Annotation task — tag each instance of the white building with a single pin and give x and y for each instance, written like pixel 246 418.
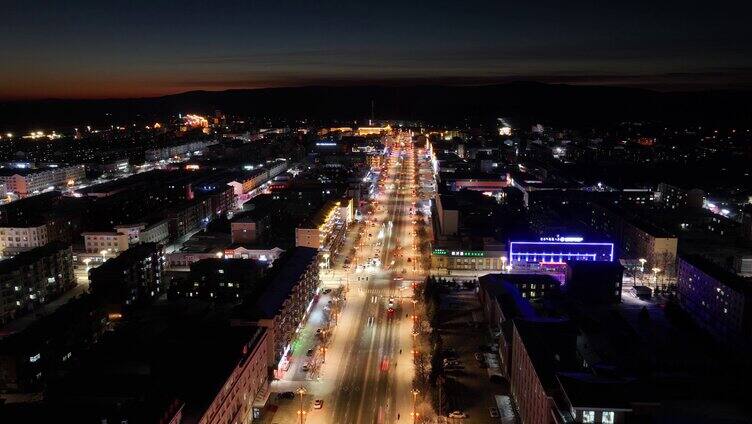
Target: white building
pixel 112 242
pixel 20 239
pixel 27 182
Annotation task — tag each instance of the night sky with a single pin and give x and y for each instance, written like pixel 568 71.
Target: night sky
pixel 94 49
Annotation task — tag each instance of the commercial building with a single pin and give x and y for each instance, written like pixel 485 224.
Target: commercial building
pixel 492 258
pixel 265 255
pixel 719 301
pixel 133 277
pixel 284 303
pixel 327 230
pixel 26 182
pixel 33 278
pixel 558 250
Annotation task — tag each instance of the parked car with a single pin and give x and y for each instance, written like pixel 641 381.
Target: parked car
pixel 457 414
pixel 286 395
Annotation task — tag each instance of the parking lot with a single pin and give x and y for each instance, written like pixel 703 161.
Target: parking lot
pixel 466 342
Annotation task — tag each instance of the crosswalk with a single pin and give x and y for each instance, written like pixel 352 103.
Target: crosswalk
pixel 385 293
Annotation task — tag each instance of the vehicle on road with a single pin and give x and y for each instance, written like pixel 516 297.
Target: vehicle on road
pixel 286 395
pixel 318 404
pixel 305 366
pixel 457 414
pixel 493 412
pixel 309 352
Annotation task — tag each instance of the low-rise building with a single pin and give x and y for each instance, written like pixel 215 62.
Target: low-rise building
pixel 110 242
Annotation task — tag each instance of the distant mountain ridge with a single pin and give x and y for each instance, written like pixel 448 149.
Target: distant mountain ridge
pixel 554 103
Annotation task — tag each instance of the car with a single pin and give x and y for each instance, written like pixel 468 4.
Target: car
pixel 305 367
pixel 327 291
pixel 318 331
pixel 457 414
pixel 309 352
pixel 493 412
pixel 479 356
pixel 318 404
pixel 286 395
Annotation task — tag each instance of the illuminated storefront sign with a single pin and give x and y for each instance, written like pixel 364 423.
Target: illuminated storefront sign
pixel 568 249
pixel 463 253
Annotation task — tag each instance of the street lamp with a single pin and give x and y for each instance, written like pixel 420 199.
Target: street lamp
pixel 642 264
pixel 323 354
pixel 104 255
pixel 86 262
pixel 301 391
pixel 655 275
pixel 415 414
pixel 503 262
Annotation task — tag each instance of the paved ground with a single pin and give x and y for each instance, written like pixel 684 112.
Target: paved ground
pixel 462 328
pixel 368 372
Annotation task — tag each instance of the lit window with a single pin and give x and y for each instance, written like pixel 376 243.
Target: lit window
pixel 588 416
pixel 607 417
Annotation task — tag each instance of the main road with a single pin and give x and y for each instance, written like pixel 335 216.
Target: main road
pixel 369 364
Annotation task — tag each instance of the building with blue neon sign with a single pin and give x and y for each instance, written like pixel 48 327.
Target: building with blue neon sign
pixel 558 252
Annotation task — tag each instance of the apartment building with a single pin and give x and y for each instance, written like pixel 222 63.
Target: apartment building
pixel 33 278
pixel 14 240
pixel 27 182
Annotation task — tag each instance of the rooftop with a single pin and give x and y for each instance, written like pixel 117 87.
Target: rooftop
pixel 279 288
pixel 31 256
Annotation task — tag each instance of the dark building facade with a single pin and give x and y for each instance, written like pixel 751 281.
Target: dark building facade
pixel 33 278
pixel 133 277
